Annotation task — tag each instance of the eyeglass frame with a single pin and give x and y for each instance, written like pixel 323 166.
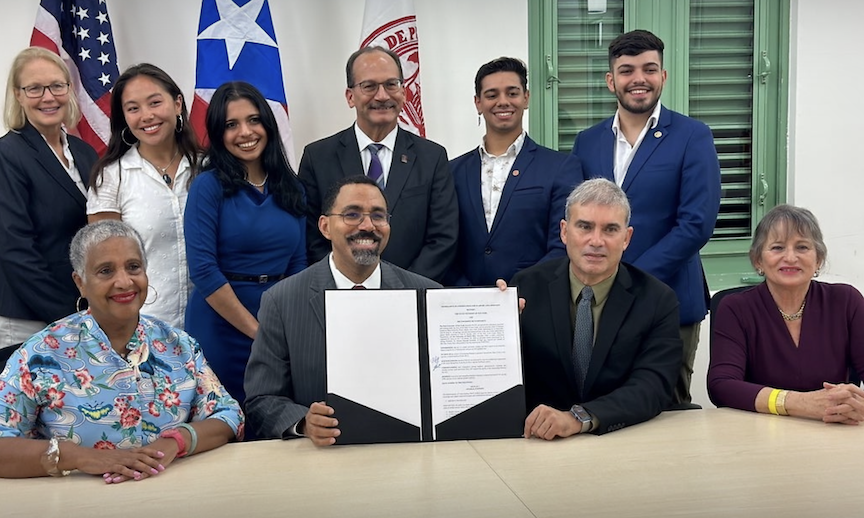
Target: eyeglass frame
pixel 373 86
pixel 44 87
pixel 363 216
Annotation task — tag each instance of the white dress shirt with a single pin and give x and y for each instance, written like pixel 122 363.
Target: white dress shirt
pixel 623 150
pixel 373 282
pixel 385 155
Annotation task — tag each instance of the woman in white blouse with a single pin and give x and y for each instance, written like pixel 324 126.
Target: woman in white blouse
pixel 143 180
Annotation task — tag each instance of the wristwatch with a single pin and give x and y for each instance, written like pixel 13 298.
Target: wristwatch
pixel 583 417
pixel 51 458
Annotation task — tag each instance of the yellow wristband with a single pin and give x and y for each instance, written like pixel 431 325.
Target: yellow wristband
pixel 772 401
pixel 781 402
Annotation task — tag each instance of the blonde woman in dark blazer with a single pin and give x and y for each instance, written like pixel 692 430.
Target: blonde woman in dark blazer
pixel 43 177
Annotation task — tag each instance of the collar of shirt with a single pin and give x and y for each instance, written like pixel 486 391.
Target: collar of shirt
pixel 652 120
pixel 72 170
pixel 512 151
pixel 623 150
pixel 132 159
pixel 373 282
pixel 601 289
pixel 385 155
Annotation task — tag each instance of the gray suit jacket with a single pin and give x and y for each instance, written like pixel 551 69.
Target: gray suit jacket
pixel 286 370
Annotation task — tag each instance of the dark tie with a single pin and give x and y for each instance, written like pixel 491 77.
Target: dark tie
pixel 358 287
pixel 583 337
pixel 376 170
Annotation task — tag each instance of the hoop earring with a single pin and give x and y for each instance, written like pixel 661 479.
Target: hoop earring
pixel 179 127
pixel 123 137
pixel 78 304
pixel 155 297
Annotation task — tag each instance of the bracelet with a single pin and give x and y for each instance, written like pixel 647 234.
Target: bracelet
pixel 175 434
pixel 51 459
pixel 193 433
pixel 781 402
pixel 772 401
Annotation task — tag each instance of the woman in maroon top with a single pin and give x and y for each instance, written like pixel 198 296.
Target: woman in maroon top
pixel 786 346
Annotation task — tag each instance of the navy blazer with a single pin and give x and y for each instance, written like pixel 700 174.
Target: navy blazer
pixel 420 197
pixel 673 184
pixel 41 209
pixel 636 356
pixel 526 228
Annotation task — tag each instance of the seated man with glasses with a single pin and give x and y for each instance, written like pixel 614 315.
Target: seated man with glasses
pixel 412 171
pixel 285 376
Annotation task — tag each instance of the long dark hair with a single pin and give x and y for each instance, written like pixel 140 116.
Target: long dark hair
pixel 186 141
pixel 231 172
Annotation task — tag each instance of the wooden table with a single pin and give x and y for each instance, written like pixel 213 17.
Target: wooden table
pixel 710 463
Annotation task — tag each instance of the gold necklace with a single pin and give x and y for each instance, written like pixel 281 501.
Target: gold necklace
pixel 794 316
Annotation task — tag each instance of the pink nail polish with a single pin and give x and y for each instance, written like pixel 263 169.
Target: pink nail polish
pixel 154 471
pixel 161 467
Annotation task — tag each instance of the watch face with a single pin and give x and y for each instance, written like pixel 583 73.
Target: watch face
pixel 580 414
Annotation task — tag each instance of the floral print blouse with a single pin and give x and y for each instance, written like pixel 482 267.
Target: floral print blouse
pixel 66 381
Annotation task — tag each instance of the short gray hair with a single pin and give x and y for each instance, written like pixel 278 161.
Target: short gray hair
pixel 794 220
pixel 97 233
pixel 598 191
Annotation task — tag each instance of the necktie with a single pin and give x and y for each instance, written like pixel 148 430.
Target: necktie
pixel 376 170
pixel 358 287
pixel 583 336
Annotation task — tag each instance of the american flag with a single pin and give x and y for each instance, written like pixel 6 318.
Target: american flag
pixel 238 43
pixel 80 32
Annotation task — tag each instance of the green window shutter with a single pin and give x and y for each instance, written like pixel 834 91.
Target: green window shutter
pixel 721 96
pixel 583 43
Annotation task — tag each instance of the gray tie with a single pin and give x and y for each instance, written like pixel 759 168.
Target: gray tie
pixel 583 336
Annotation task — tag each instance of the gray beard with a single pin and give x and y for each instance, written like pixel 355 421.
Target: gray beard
pixel 365 257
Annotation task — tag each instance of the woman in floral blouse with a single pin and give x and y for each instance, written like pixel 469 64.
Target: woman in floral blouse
pixel 107 391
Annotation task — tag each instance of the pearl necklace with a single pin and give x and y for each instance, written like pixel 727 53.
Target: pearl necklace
pixel 258 185
pixel 794 316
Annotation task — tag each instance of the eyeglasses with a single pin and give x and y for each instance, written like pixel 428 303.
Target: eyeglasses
pixel 370 87
pixel 379 219
pixel 37 91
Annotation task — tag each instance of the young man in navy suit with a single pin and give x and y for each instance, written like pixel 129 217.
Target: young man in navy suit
pixel 667 165
pixel 511 191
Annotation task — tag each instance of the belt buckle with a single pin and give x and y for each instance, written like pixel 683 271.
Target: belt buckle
pixel 262 279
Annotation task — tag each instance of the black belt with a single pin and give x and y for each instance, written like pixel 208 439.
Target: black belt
pixel 260 279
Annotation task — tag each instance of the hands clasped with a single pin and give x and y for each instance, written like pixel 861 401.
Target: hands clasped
pixel 117 466
pixel 842 403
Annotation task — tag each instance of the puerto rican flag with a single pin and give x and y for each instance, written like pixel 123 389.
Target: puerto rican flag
pixel 237 42
pixel 79 31
pixel 392 24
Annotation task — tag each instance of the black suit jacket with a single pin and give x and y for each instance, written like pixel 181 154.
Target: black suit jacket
pixel 420 196
pixel 637 350
pixel 41 209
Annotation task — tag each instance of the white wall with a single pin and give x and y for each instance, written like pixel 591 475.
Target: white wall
pixel 315 38
pixel 457 36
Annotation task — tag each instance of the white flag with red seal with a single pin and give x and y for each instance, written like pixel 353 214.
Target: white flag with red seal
pixel 392 24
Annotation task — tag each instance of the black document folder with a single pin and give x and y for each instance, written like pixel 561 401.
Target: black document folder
pixel 385 386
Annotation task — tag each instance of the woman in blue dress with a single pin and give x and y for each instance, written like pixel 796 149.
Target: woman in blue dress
pixel 244 225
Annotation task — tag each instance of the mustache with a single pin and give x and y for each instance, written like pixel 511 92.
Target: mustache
pixel 385 105
pixel 364 234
